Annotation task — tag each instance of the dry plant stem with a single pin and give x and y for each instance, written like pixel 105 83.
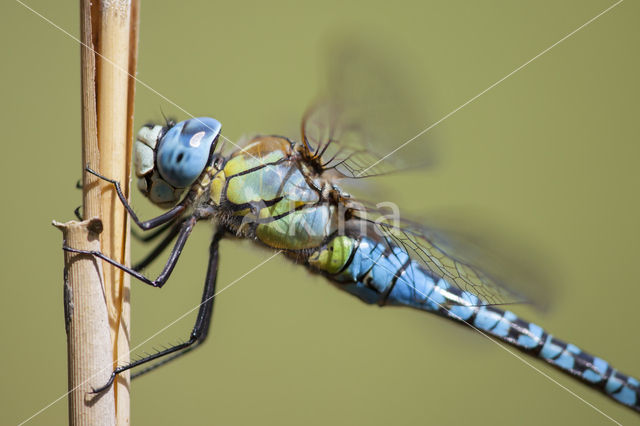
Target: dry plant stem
pixel 122 348
pixel 90 152
pixel 110 27
pixel 113 108
pixel 86 322
pixel 89 345
pixel 98 320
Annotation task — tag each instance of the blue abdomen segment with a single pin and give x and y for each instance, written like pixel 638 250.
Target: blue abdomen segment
pixel 379 274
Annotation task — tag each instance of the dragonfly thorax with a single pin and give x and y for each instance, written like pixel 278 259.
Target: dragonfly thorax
pixel 170 159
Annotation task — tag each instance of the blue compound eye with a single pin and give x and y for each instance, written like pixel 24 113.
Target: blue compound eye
pixel 184 150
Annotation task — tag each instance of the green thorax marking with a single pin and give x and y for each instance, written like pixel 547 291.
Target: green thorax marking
pixel 270 191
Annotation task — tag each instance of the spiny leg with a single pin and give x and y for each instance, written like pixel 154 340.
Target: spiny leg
pixel 153 255
pixel 148 224
pixel 185 230
pixel 200 328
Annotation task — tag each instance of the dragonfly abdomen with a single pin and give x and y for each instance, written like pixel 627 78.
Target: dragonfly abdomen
pixel 270 196
pixel 379 273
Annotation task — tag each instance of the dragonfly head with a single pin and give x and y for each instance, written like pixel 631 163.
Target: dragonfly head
pixel 169 159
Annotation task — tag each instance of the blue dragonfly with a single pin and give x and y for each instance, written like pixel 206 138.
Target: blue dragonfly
pixel 288 196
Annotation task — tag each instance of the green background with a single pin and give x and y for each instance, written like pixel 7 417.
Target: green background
pixel 549 156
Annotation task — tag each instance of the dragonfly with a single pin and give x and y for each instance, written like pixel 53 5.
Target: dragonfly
pixel 287 195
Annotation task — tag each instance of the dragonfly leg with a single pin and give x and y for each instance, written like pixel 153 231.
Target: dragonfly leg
pixel 142 238
pixel 153 255
pixel 148 224
pixel 155 234
pixel 185 230
pixel 200 328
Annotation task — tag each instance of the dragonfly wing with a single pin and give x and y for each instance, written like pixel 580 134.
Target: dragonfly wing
pixel 497 278
pixel 366 109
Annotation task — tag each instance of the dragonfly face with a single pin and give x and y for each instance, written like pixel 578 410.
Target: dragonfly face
pixel 169 159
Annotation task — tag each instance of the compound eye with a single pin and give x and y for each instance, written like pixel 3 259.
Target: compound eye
pixel 184 150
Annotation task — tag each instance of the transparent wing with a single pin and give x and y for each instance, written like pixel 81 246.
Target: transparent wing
pixel 465 262
pixel 366 110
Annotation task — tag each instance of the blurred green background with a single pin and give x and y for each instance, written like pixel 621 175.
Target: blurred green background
pixel 549 155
